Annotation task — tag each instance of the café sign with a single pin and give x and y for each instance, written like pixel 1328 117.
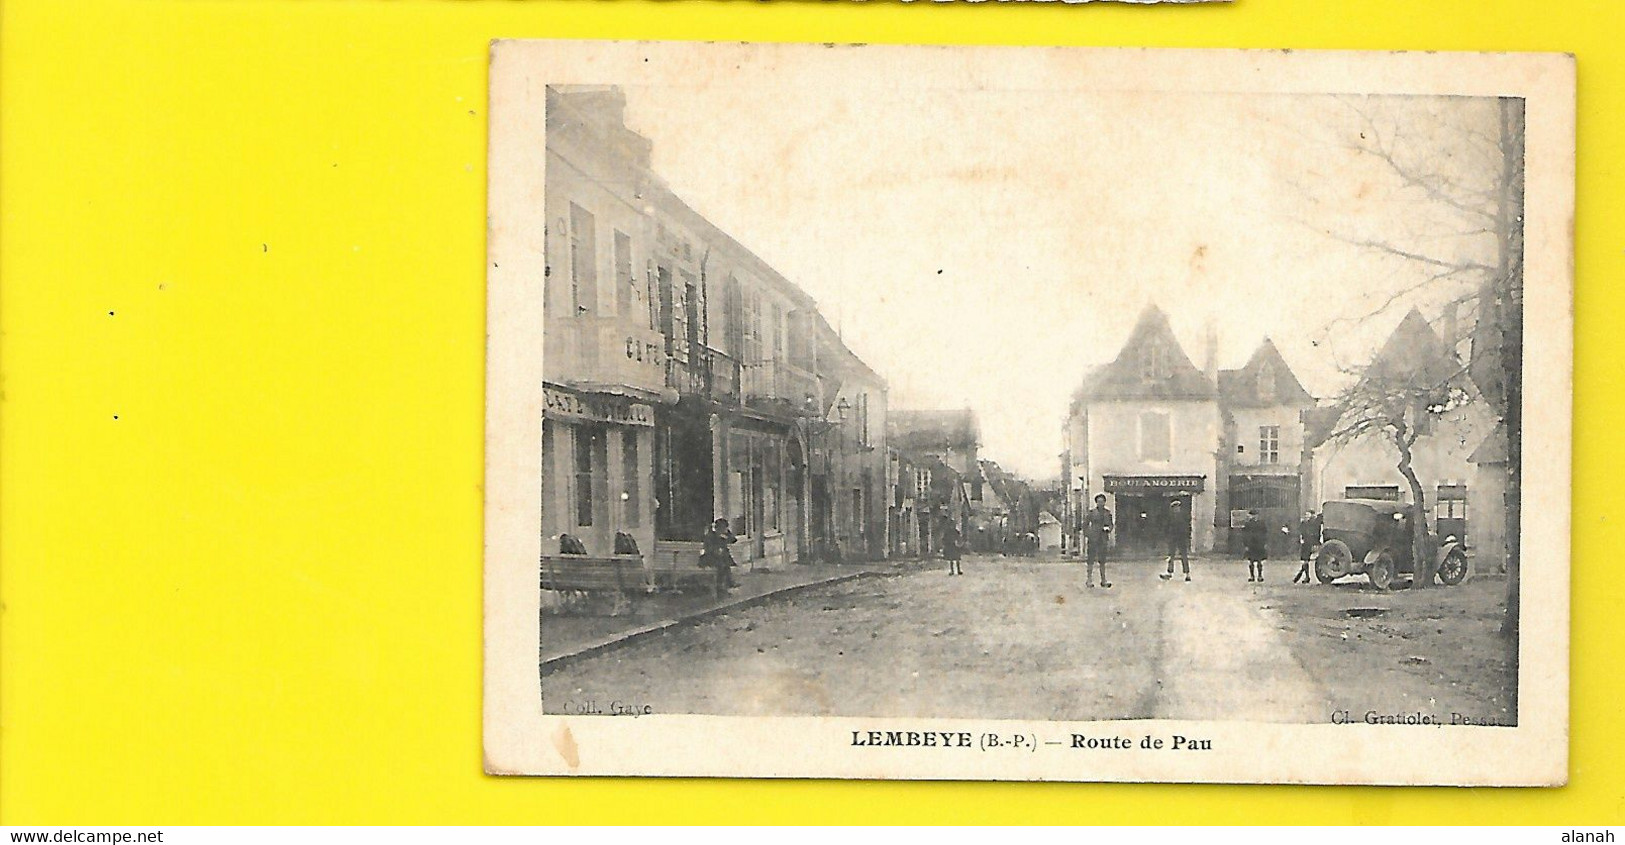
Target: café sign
pixel 1154 484
pixel 564 405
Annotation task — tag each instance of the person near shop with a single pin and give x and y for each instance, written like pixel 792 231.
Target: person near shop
pixel 1255 540
pixel 950 546
pixel 1179 539
pixel 1308 542
pixel 1097 531
pixel 716 555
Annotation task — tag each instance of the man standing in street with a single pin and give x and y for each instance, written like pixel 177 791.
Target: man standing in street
pixel 1097 530
pixel 1308 543
pixel 1179 539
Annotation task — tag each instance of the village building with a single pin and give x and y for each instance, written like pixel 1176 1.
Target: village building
pixel 685 379
pixel 1263 455
pixel 1366 466
pixel 933 454
pixel 1151 428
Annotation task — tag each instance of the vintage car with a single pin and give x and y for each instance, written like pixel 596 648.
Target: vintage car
pixel 1373 536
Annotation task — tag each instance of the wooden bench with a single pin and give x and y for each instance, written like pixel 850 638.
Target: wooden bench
pixel 588 574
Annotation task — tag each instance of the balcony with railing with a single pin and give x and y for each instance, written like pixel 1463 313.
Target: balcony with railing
pixel 780 386
pixel 605 353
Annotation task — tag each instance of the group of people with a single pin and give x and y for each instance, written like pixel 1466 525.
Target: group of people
pixel 1097 531
pixel 1098 526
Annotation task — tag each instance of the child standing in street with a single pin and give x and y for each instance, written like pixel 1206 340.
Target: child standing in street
pixel 950 547
pixel 1256 539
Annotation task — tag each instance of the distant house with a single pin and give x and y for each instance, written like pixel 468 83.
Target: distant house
pixel 935 470
pixel 1366 466
pixel 1261 459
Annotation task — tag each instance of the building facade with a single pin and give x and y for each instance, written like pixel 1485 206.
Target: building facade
pixel 1262 460
pixel 686 379
pixel 934 453
pixel 1145 430
pixel 1366 466
pixel 1151 428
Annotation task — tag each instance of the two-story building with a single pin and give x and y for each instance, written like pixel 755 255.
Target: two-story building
pixel 1262 457
pixel 1145 430
pixel 686 379
pixel 604 358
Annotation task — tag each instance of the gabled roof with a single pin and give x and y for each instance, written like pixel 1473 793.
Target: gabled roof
pixel 1125 378
pixel 932 430
pixel 1266 381
pixel 1494 448
pixel 1414 355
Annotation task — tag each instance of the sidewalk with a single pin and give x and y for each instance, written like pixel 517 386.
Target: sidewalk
pixel 567 637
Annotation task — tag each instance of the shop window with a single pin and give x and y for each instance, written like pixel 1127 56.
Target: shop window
pixel 550 516
pixel 1156 436
pixel 590 459
pixel 631 485
pixel 1269 444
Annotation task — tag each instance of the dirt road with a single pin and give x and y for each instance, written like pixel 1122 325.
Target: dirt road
pixel 1011 639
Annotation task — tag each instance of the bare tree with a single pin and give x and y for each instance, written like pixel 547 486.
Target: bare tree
pixel 1401 398
pixel 1470 175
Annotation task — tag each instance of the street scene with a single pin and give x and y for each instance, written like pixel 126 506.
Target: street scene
pixel 1025 639
pixel 1037 429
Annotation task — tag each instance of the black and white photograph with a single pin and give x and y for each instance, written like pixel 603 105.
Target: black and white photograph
pixel 1053 414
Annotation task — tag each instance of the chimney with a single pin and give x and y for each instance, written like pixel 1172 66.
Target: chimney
pixel 1210 351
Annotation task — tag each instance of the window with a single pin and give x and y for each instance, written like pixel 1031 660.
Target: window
pixel 590 460
pixel 733 307
pixel 1451 502
pixel 626 284
pixel 1269 444
pixel 1154 361
pixel 550 516
pixel 583 261
pixel 631 486
pixel 1266 386
pixel 1386 492
pixel 976 491
pixel 858 511
pixel 922 483
pixel 1156 436
pixel 863 420
pixel 752 313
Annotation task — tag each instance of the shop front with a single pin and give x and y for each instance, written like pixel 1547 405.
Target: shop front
pixel 1143 507
pixel 596 466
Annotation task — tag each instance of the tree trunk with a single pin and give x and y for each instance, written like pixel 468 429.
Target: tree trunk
pixel 1510 314
pixel 1424 564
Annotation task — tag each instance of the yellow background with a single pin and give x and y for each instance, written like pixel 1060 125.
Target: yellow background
pixel 241 332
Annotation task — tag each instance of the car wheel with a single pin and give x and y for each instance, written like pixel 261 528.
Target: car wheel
pixel 1382 571
pixel 1333 561
pixel 1453 569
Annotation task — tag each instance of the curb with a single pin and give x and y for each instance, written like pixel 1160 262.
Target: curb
pixel 549 664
